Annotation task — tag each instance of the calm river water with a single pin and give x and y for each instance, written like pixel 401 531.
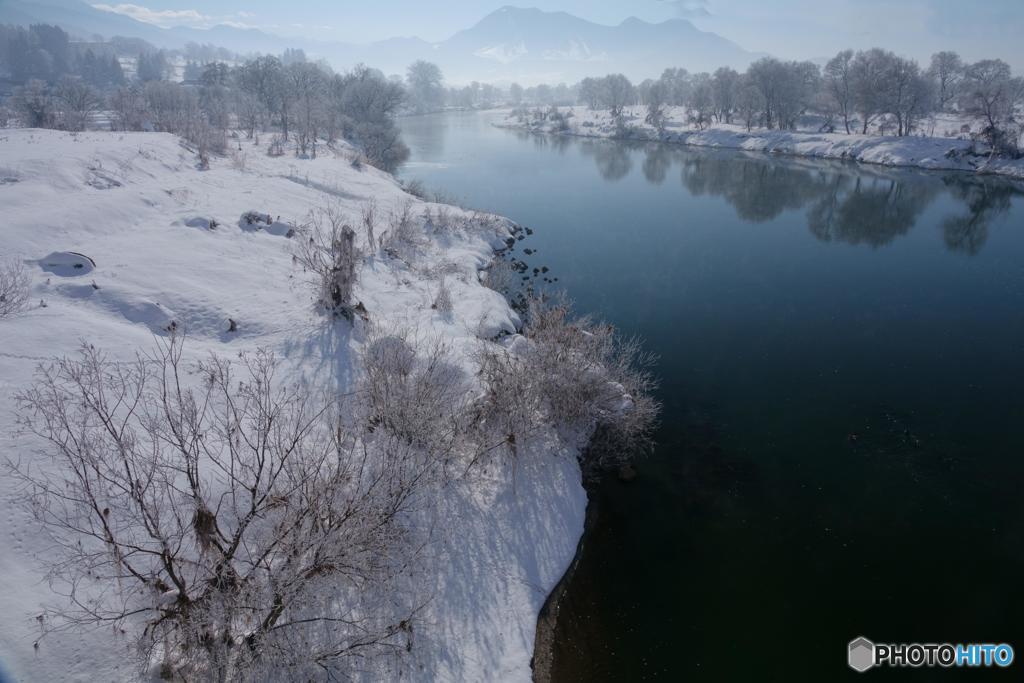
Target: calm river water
pixel 842 369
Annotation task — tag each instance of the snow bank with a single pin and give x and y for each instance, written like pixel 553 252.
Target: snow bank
pixel 935 153
pixel 124 238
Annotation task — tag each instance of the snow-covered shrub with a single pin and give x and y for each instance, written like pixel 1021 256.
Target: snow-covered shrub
pixel 576 373
pixel 501 277
pixel 369 217
pixel 14 287
pixel 443 300
pixel 414 392
pixel 326 247
pixel 416 188
pixel 403 234
pixel 231 524
pixel 441 219
pixel 276 147
pixel 559 121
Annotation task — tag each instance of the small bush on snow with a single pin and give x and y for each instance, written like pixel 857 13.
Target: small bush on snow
pixel 403 234
pixel 326 247
pixel 414 392
pixel 14 286
pixel 572 372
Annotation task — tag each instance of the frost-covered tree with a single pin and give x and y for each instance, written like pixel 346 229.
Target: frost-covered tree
pixel 77 101
pixel 908 94
pixel 589 90
pixel 426 86
pixel 152 66
pixel 616 93
pixel 701 102
pixel 786 89
pixel 947 71
pixel 869 73
pixel 34 105
pixel 678 82
pixel 306 87
pixel 838 84
pixel 657 97
pixel 515 94
pixel 749 103
pixel 129 106
pixel 723 92
pixel 230 522
pixel 990 92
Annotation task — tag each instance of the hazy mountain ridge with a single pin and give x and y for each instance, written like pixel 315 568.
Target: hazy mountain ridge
pixel 510 44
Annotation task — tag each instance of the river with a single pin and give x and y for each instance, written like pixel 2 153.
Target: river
pixel 842 370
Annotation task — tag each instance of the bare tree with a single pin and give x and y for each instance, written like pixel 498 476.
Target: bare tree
pixel 34 105
pixel 989 91
pixel 947 70
pixel 426 89
pixel 839 85
pixel 616 93
pixel 723 91
pixel 129 106
pixel 908 95
pixel 868 83
pixel 701 102
pixel 749 103
pixel 232 523
pixel 14 287
pixel 656 99
pixel 78 100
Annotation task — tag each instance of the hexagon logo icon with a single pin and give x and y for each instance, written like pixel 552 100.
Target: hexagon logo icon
pixel 861 654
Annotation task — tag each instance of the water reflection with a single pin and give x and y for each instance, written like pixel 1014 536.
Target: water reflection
pixel 614 161
pixel 985 201
pixel 872 211
pixel 855 205
pixel 657 162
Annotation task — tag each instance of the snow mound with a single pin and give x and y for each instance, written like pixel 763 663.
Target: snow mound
pixel 67 264
pixel 158 318
pixel 201 223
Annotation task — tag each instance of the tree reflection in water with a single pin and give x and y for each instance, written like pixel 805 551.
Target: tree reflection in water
pixel 843 202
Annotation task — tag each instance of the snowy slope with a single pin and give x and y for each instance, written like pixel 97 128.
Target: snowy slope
pixel 114 229
pixel 936 153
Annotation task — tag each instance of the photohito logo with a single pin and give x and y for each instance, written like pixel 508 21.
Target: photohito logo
pixel 862 654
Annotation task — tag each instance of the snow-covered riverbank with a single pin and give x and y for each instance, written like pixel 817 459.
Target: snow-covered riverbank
pixel 123 236
pixel 934 153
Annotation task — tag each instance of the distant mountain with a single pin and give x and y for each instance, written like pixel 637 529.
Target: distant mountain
pixel 530 45
pixel 511 44
pixel 82 20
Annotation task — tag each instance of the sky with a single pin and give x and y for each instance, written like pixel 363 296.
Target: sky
pixel 791 29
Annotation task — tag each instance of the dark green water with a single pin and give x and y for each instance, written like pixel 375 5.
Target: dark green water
pixel 842 361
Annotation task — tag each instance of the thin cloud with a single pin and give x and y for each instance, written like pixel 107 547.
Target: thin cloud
pixel 169 18
pixel 688 9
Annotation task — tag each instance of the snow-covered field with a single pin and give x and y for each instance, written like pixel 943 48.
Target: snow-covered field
pixel 937 153
pixel 115 231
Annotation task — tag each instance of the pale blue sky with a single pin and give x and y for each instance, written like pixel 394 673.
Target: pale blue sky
pixel 786 28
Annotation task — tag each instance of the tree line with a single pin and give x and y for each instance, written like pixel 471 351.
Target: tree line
pixel 864 91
